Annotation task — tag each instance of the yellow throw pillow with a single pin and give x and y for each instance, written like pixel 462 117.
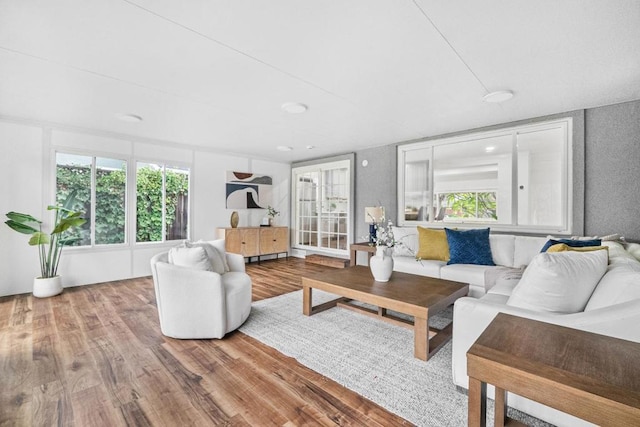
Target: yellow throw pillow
pixel 561 247
pixel 432 244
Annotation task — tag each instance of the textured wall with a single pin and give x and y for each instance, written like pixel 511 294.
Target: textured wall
pixel 612 158
pixel 376 185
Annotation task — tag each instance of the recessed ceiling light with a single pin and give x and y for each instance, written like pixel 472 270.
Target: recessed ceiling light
pixel 489 149
pixel 127 117
pixel 498 96
pixel 284 148
pixel 294 107
pixel 310 147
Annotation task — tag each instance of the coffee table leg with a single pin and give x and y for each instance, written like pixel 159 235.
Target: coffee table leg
pixel 477 403
pixel 306 300
pixel 421 338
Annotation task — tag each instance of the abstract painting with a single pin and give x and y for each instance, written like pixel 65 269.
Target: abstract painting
pixel 248 190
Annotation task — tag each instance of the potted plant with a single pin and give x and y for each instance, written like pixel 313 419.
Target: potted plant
pixel 50 245
pixel 272 213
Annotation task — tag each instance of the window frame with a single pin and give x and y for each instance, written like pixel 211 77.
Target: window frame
pixel 134 196
pixel 94 156
pixel 130 195
pixel 566 186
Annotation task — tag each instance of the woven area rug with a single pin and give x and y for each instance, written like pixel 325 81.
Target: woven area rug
pixel 373 358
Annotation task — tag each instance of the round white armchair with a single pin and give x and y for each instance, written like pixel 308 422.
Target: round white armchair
pixel 194 301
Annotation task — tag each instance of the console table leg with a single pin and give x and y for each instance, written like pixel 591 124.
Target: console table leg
pixel 500 407
pixel 477 403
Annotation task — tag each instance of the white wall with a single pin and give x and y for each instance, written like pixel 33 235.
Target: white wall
pixel 27 185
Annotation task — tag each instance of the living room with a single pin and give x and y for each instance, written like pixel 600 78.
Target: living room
pixel 202 88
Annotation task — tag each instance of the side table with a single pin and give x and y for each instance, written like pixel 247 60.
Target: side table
pixel 362 247
pixel 593 377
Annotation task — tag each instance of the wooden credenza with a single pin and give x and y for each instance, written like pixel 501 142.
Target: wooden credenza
pixel 256 241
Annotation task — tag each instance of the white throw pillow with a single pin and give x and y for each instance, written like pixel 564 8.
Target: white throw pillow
pixel 560 282
pixel 621 283
pixel 216 259
pixel 195 258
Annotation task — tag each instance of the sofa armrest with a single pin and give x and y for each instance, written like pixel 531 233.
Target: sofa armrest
pixel 236 262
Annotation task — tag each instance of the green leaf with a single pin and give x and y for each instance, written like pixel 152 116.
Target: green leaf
pixel 20 227
pixel 67 223
pixel 39 238
pixel 23 218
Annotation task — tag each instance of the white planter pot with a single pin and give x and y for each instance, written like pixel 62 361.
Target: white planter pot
pixel 381 264
pixel 47 287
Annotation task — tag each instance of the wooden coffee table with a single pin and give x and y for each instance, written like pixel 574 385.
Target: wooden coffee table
pixel 417 296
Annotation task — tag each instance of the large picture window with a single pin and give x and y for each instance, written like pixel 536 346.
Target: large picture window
pixel 99 186
pixel 162 202
pixel 513 179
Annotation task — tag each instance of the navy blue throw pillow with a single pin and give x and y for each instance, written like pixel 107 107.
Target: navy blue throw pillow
pixel 572 243
pixel 469 247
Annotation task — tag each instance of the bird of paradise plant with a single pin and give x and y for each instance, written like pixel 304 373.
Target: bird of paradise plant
pixel 50 245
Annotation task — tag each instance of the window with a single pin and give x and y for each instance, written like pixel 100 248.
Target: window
pixel 322 205
pixel 512 179
pixel 99 185
pixel 162 202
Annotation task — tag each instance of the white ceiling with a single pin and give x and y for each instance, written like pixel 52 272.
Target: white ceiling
pixel 373 72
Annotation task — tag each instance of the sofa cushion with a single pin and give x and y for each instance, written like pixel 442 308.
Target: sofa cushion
pixel 432 244
pixel 407 241
pixel 502 248
pixel 571 242
pixel 621 283
pixel 469 246
pixel 504 287
pixel 497 275
pixel 195 258
pixel 429 268
pixel 559 282
pixel 525 248
pixel 465 273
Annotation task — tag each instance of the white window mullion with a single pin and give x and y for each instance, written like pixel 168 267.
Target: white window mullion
pixel 164 203
pixel 92 226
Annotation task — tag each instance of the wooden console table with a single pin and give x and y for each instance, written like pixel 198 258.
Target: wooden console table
pixel 362 247
pixel 256 241
pixel 590 376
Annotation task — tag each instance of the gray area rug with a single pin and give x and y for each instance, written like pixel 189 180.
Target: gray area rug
pixel 373 358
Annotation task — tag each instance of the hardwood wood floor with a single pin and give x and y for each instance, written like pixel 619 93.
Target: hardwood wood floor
pixel 94 356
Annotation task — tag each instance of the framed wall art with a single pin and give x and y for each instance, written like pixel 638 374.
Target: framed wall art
pixel 245 190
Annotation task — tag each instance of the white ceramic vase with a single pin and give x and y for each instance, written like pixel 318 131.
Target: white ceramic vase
pixel 47 287
pixel 381 264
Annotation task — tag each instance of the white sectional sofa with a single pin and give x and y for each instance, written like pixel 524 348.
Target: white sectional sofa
pixel 508 251
pixel 613 310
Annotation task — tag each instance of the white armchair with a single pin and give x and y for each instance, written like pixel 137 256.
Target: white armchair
pixel 195 304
